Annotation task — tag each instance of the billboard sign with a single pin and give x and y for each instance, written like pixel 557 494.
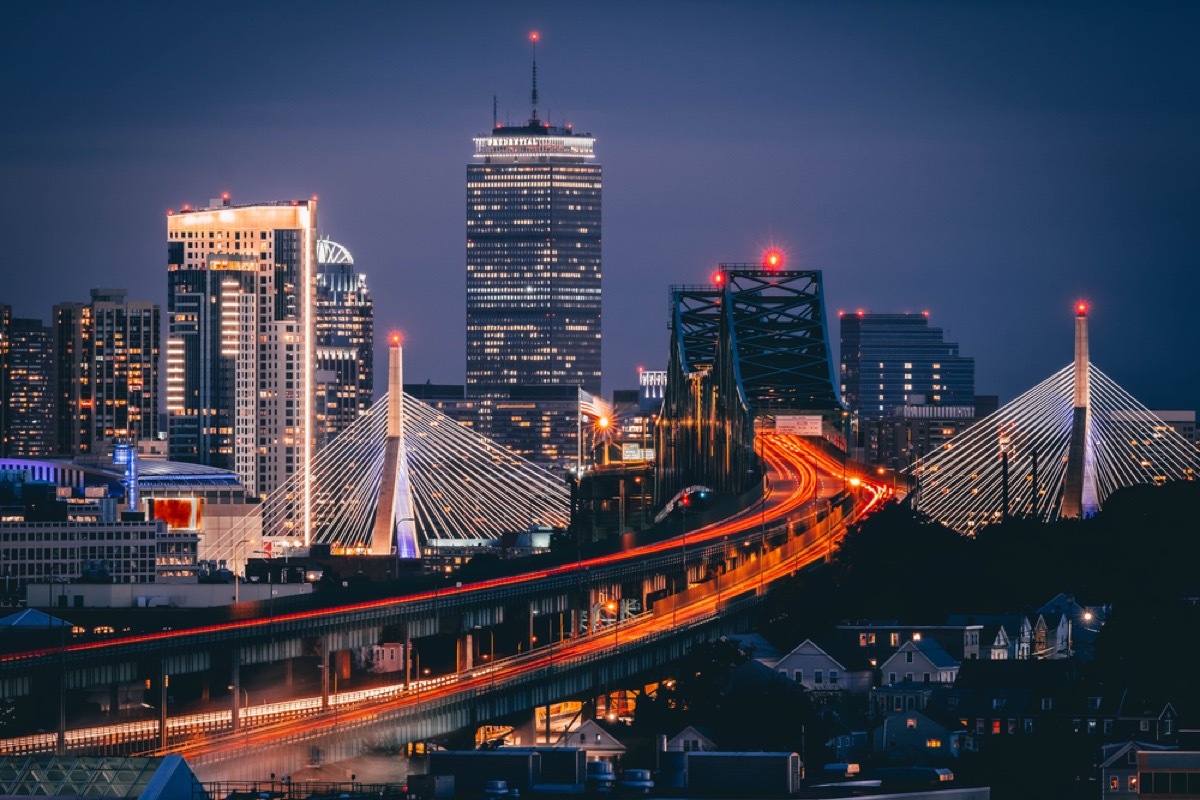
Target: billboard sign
pixel 799 425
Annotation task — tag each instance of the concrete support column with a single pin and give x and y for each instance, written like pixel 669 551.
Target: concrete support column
pixel 235 683
pixel 163 683
pixel 324 673
pixel 408 661
pixel 465 656
pixel 114 699
pixel 288 677
pixel 526 729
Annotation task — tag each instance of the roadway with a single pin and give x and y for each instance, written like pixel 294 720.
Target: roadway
pixel 802 480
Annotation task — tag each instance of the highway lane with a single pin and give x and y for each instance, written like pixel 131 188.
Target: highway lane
pixel 794 483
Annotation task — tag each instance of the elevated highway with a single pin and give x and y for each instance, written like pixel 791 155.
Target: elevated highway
pixel 692 587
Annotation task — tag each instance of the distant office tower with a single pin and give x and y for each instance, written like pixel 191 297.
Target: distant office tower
pixel 106 379
pixel 892 360
pixel 29 400
pixel 344 326
pixel 239 376
pixel 533 259
pixel 5 336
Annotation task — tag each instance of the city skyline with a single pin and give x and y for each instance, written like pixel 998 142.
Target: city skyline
pixel 990 165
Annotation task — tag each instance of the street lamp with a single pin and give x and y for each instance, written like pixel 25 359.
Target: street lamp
pixel 246 693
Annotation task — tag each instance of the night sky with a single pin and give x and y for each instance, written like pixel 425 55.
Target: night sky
pixel 987 163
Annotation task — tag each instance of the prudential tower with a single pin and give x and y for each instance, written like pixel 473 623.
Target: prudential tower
pixel 533 258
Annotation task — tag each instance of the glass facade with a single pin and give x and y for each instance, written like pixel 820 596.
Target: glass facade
pixel 893 360
pixel 533 261
pixel 344 327
pixel 106 371
pixel 29 402
pixel 239 371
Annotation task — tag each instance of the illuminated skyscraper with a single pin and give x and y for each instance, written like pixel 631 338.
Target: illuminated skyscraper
pixel 29 399
pixel 106 378
pixel 533 259
pixel 239 374
pixel 344 324
pixel 893 360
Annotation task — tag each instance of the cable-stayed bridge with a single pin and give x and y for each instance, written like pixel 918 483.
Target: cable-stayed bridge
pixel 1057 451
pixel 401 472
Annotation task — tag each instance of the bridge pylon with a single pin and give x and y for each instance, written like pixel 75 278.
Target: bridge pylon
pixel 395 525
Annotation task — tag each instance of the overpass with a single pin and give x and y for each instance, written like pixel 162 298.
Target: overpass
pixel 692 586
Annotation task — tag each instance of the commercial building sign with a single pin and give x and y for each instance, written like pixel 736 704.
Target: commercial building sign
pixel 799 425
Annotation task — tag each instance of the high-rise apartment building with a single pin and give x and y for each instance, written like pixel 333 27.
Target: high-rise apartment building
pixel 5 336
pixel 106 380
pixel 29 395
pixel 533 259
pixel 344 327
pixel 239 374
pixel 892 360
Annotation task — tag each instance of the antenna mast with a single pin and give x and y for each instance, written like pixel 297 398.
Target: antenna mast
pixel 494 125
pixel 533 38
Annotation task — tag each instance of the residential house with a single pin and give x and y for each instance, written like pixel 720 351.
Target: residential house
pixel 595 741
pixel 911 736
pixel 1175 773
pixel 1119 768
pixel 1002 636
pixel 816 670
pixel 879 640
pixel 690 740
pixel 920 661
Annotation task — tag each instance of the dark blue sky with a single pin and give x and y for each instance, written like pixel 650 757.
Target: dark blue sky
pixel 988 163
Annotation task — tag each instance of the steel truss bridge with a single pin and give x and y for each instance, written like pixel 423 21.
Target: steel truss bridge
pixel 752 346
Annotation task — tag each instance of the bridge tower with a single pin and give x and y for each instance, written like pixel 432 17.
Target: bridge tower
pixel 395 525
pixel 1079 485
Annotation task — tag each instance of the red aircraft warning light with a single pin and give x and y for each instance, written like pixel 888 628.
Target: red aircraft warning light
pixel 395 340
pixel 773 259
pixel 718 277
pixel 1081 309
pixel 533 36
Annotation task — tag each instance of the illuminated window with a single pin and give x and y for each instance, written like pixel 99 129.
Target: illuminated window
pixel 933 743
pixel 911 723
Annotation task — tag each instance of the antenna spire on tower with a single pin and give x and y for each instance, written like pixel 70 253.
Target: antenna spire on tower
pixel 533 39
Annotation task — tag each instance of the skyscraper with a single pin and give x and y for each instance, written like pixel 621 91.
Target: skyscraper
pixel 533 258
pixel 892 360
pixel 344 326
pixel 106 378
pixel 239 373
pixel 29 402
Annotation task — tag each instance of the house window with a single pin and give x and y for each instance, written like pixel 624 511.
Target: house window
pixel 1012 727
pixel 1166 727
pixel 1048 705
pixel 1029 726
pixel 1144 725
pixel 933 743
pixel 1093 703
pixel 926 677
pixel 908 677
pixel 1133 783
pixel 979 725
pixel 995 726
pixel 894 639
pixel 898 703
pixel 799 676
pixel 862 640
pixel 1108 727
pixel 908 657
pixel 818 677
pixel 911 723
pixel 892 679
pixel 1114 783
pixel 833 677
pixel 997 703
